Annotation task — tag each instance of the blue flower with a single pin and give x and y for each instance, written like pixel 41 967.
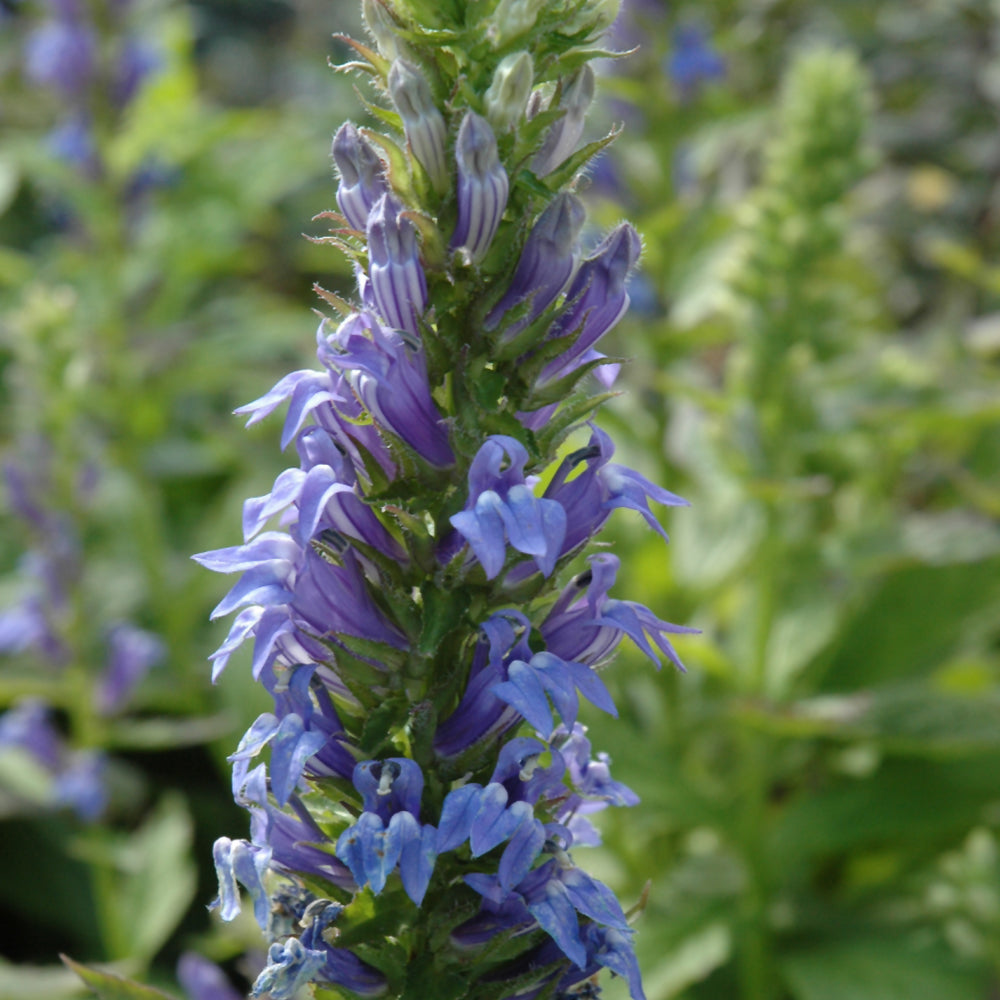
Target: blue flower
pixel 502 507
pixel 545 266
pixel 530 685
pixel 133 652
pixel 61 54
pixel 238 862
pixel 693 61
pixel 372 849
pixel 596 299
pixel 291 746
pixel 203 980
pixel 290 965
pixel 388 375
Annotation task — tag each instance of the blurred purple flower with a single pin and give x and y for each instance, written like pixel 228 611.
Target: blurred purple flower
pixel 61 54
pixel 132 653
pixel 692 61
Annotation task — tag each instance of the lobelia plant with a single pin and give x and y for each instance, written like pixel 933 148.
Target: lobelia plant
pixel 432 604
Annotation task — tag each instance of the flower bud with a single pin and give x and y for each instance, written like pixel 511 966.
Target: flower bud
pixel 578 92
pixel 382 28
pixel 511 19
pixel 482 187
pixel 594 17
pixel 597 298
pixel 397 278
pixel 422 121
pixel 546 262
pixel 361 180
pixel 509 91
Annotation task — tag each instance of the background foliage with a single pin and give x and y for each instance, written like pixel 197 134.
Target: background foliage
pixel 817 335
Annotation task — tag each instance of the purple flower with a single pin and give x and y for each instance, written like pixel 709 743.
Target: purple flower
pixel 361 181
pixel 693 61
pixel 28 725
pixel 482 187
pixel 529 686
pixel 389 376
pixel 60 54
pixel 132 653
pixel 589 628
pixel 79 777
pixel 203 980
pixel 481 714
pixel 136 62
pixel 502 507
pixel 589 497
pixel 372 849
pixel 552 896
pixel 596 299
pixel 545 266
pixel 72 141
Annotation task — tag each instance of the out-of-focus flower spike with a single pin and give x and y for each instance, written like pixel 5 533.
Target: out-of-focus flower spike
pixel 61 54
pixel 422 121
pixel 361 180
pixel 203 980
pixel 562 139
pixel 545 265
pixel 482 187
pixel 397 277
pixel 507 97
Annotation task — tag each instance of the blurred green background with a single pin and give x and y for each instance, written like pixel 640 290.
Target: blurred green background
pixel 816 340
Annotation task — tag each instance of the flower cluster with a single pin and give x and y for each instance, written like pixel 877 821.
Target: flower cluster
pixel 421 592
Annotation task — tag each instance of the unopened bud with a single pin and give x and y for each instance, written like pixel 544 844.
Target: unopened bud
pixel 383 29
pixel 509 90
pixel 597 298
pixel 482 187
pixel 422 121
pixel 594 17
pixel 397 277
pixel 511 19
pixel 546 263
pixel 361 180
pixel 577 95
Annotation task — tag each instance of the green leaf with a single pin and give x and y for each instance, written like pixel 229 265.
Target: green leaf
pixel 166 733
pixel 912 623
pixel 918 720
pixel 153 882
pixel 109 986
pixel 443 611
pixel 880 970
pixel 904 802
